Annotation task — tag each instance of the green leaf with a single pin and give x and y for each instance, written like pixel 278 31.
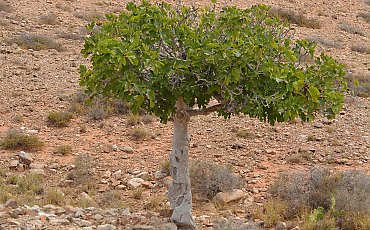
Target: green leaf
pixel 314 93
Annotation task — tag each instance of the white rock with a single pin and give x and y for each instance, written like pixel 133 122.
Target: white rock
pixel 106 227
pixel 159 175
pixel 135 183
pixel 223 198
pixel 144 176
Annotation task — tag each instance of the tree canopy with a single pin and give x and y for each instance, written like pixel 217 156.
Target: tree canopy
pixel 150 55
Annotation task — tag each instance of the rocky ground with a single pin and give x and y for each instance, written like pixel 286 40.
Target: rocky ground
pixel 34 83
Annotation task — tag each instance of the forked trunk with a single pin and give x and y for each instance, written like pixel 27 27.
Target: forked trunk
pixel 180 194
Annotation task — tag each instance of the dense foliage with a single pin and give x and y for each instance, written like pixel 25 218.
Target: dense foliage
pixel 150 55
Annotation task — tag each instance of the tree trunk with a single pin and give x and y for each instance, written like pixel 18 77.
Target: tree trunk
pixel 180 194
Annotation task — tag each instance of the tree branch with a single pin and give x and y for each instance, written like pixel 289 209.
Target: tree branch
pixel 206 111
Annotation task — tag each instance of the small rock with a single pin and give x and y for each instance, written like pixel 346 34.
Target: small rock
pixel 107 174
pixel 296 228
pixel 142 227
pixel 36 166
pixel 120 187
pixel 135 183
pixel 326 121
pixel 117 175
pixel 11 203
pixel 14 164
pixel 115 148
pixel 144 176
pixel 159 175
pixel 106 227
pixel 271 151
pixel 255 190
pixel 79 213
pixel 86 197
pixel 127 149
pixel 223 198
pixel 168 226
pixel 25 157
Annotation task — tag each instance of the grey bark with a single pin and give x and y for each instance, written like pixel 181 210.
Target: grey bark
pixel 180 192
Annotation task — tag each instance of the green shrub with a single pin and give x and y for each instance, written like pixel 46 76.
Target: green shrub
pixel 59 119
pixel 14 139
pixel 208 179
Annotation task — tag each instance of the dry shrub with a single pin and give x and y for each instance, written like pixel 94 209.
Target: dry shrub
pixel 359 84
pixel 82 174
pixel 325 42
pixel 271 212
pixel 208 179
pixel 15 139
pixel 49 19
pixel 132 120
pixel 341 195
pixel 361 49
pixel 35 42
pixel 351 29
pixel 296 18
pixel 155 203
pixel 55 197
pixel 63 7
pixel 88 15
pixel 138 134
pixel 111 199
pixel 70 36
pixel 365 16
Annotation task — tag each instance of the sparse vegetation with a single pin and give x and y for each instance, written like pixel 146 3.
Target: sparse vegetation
pixel 165 166
pixel 63 150
pixel 242 133
pixel 137 194
pixel 35 42
pixel 324 199
pixel 147 118
pixel 111 199
pixel 15 139
pixel 351 29
pixel 59 119
pixel 54 196
pixel 295 18
pixel 208 179
pixel 49 19
pixel 30 183
pixel 155 203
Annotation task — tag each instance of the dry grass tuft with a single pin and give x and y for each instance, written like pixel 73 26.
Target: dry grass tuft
pixel 208 179
pixel 359 84
pixel 63 150
pixel 365 16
